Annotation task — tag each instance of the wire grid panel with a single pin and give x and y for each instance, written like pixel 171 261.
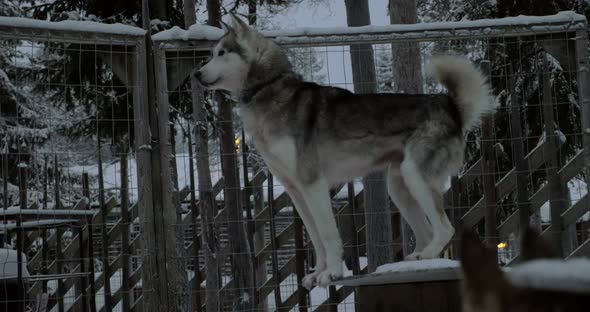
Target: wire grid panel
pixel 518 62
pixel 67 124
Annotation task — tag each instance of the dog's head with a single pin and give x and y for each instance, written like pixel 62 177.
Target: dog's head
pixel 484 285
pixel 486 288
pixel 241 57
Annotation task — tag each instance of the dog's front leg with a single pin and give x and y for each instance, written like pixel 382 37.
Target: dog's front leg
pixel 318 201
pixel 310 226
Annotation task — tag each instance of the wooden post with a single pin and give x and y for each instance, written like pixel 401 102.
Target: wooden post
pixel 258 237
pixel 273 243
pixel 520 164
pixel 207 206
pixel 45 247
pixel 90 256
pixel 299 261
pixel 59 233
pixel 148 168
pixel 22 173
pixel 239 246
pixel 173 246
pixel 356 266
pixel 125 257
pixel 556 192
pixel 583 67
pixel 82 284
pixel 457 212
pixel 106 270
pixel 488 159
pixel 5 188
pixel 196 282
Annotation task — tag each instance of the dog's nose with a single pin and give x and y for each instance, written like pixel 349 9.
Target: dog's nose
pixel 198 74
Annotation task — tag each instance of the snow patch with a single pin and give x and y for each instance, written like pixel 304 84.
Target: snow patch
pixel 79 26
pixel 557 275
pixel 418 266
pixel 202 32
pixel 8 264
pixel 195 32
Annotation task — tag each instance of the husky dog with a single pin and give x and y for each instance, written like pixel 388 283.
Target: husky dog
pixel 313 137
pixel 486 288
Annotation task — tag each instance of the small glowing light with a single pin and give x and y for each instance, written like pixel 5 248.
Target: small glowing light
pixel 237 144
pixel 502 245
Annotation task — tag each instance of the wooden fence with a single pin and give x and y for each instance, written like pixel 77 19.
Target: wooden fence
pixel 109 228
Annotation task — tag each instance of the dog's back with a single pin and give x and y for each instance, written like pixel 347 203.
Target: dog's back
pixel 486 288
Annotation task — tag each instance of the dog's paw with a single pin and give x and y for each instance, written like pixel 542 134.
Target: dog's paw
pixel 413 256
pixel 309 280
pixel 328 276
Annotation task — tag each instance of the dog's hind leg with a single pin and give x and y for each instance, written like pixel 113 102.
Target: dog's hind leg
pixel 429 199
pixel 317 197
pixel 409 209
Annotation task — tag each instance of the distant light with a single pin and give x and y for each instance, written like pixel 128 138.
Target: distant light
pixel 237 144
pixel 502 245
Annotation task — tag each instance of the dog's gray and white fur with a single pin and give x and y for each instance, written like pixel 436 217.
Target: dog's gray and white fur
pixel 313 137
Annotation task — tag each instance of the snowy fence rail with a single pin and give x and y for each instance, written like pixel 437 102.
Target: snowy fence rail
pixel 191 251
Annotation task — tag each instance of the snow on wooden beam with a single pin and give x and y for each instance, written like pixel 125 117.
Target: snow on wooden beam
pixel 203 37
pixel 70 31
pixel 406 272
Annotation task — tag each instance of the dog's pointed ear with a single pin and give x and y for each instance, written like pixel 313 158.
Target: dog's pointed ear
pixel 533 246
pixel 479 264
pixel 226 28
pixel 239 25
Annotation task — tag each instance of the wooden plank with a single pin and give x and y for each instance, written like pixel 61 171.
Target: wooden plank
pixel 273 243
pixel 583 83
pixel 125 255
pixel 23 198
pixel 557 194
pixel 402 277
pixel 173 277
pixel 582 251
pixel 269 285
pixel 507 184
pixel 573 213
pixel 520 165
pixel 280 240
pixel 90 255
pixel 489 184
pixel 194 208
pixel 566 173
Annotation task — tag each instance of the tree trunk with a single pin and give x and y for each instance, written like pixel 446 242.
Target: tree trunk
pixel 377 212
pixel 407 69
pixel 160 9
pixel 239 246
pixel 260 267
pixel 407 77
pixel 207 207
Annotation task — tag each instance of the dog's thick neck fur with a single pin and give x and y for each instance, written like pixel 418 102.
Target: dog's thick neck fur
pixel 274 71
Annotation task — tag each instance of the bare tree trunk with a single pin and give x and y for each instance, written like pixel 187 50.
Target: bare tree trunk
pixel 407 77
pixel 239 246
pixel 260 267
pixel 207 207
pixel 407 65
pixel 377 212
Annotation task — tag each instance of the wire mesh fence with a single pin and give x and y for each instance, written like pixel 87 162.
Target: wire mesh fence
pixel 174 205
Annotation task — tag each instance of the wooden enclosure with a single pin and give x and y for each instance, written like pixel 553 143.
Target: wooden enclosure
pixel 211 242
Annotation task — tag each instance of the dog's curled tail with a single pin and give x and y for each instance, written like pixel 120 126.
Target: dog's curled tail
pixel 466 85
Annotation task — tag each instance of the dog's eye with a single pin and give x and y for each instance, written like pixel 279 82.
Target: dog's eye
pixel 221 52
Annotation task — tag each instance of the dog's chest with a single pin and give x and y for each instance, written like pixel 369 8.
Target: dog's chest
pixel 268 139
